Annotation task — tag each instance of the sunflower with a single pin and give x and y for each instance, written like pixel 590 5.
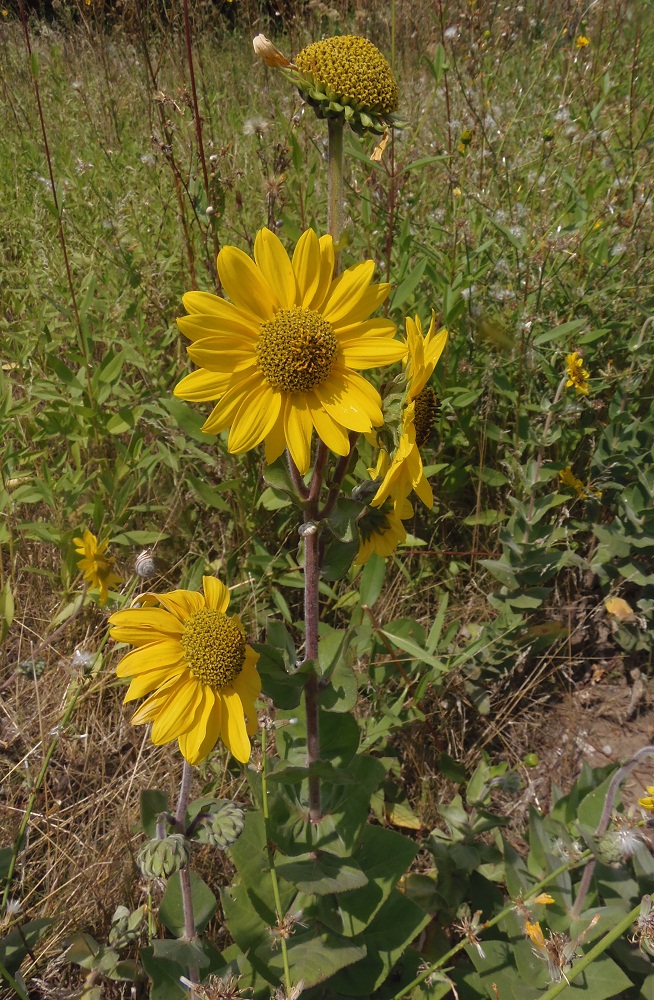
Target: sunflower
pixel 647 802
pixel 97 567
pixel 344 76
pixel 577 374
pixel 381 530
pixel 403 473
pixel 283 356
pixel 194 663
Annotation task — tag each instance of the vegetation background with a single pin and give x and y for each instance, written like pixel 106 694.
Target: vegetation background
pixel 517 204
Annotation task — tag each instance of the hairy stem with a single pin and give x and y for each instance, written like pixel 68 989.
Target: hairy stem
pixel 335 183
pixel 271 863
pixel 185 873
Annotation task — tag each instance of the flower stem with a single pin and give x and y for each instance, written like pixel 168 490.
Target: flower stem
pixel 185 873
pixel 591 955
pixel 335 183
pixel 271 862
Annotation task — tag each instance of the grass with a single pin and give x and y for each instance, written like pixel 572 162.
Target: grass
pixel 517 204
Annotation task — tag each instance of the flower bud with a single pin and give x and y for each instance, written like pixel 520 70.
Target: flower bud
pixel 221 824
pixel 265 49
pixel 162 858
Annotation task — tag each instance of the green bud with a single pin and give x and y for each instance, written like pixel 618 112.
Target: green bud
pixel 162 858
pixel 548 135
pixel 221 824
pixel 531 760
pixel 609 848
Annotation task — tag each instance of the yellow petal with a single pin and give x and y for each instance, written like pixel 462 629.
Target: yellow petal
pixel 176 715
pixel 160 679
pixel 272 260
pixel 373 353
pixel 306 265
pixel 363 307
pixel 255 419
pixel 223 414
pixel 140 625
pixel 232 728
pixel 200 740
pixel 209 354
pixel 164 653
pixel 216 593
pixel 326 244
pixel 204 303
pixel 181 603
pixel 346 290
pixel 298 428
pixel 276 439
pixel 245 284
pixel 248 682
pixel 328 430
pixel 201 386
pixel 369 328
pixel 199 326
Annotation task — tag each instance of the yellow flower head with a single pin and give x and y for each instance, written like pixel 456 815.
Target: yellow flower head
pixel 544 898
pixel 381 530
pixel 96 565
pixel 568 478
pixel 283 356
pixel 581 41
pixel 423 353
pixel 345 76
pixel 648 801
pixel 193 662
pixel 577 374
pixel 403 473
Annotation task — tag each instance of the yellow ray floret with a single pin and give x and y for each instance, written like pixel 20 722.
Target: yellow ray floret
pixel 283 355
pixel 194 667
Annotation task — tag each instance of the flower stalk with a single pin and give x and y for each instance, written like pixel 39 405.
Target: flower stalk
pixel 271 857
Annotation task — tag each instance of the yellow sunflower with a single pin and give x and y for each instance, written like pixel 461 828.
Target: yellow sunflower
pixel 96 565
pixel 403 473
pixel 577 374
pixel 194 663
pixel 283 356
pixel 647 802
pixel 381 530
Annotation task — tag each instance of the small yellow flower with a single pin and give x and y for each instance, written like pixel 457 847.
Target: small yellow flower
pixel 544 898
pixel 581 41
pixel 97 567
pixel 577 374
pixel 5 13
pixel 457 192
pixel 568 478
pixel 535 933
pixel 648 801
pixel 283 357
pixel 192 659
pixel 403 473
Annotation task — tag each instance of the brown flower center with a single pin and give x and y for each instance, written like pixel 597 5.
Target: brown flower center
pixel 426 404
pixel 214 646
pixel 296 350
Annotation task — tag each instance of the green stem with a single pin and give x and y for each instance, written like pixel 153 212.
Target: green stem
pixel 185 873
pixel 16 987
pixel 534 891
pixel 335 183
pixel 594 953
pixel 271 861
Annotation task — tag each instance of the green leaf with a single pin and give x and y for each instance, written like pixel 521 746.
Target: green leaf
pixel 414 650
pixel 485 517
pixel 185 953
pixel 138 538
pixel 559 332
pixel 171 913
pixel 321 873
pixel 314 958
pixel 164 975
pixel 372 580
pixel 384 856
pixel 340 695
pixel 338 558
pixel 408 285
pixel 153 802
pixel 15 946
pixel 396 925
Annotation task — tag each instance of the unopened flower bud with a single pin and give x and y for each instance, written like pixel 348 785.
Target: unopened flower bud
pixel 221 826
pixel 265 49
pixel 163 857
